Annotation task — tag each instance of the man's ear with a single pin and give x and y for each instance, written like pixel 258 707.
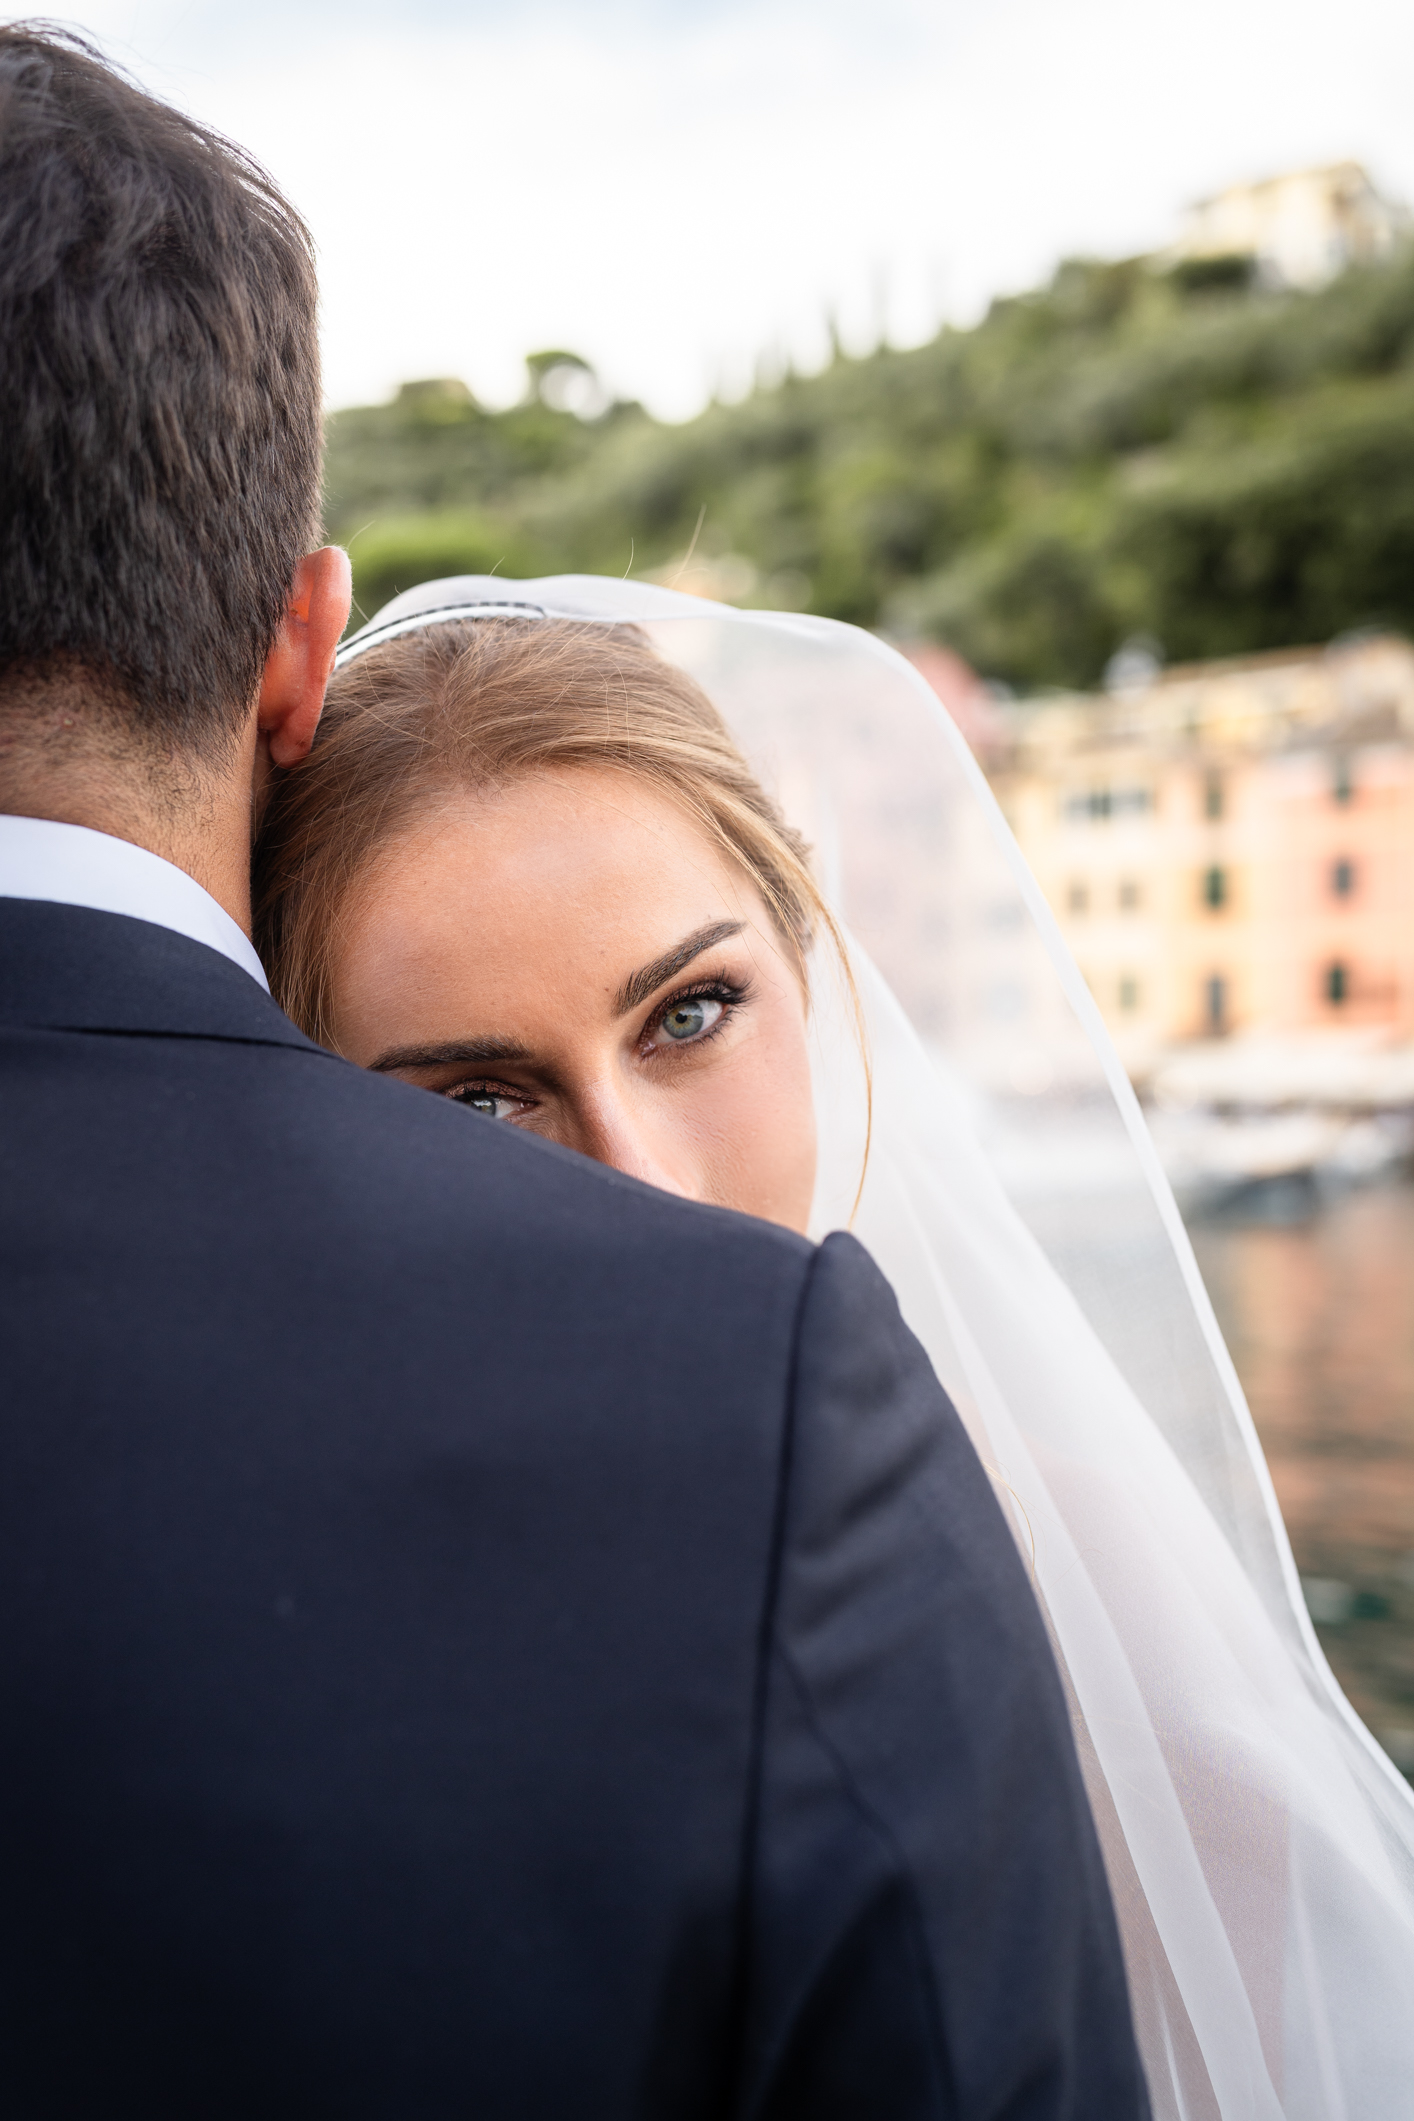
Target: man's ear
pixel 298 666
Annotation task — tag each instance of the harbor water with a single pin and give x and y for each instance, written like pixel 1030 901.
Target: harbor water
pixel 1315 1294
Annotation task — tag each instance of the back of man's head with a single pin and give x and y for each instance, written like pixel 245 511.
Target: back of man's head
pixel 159 402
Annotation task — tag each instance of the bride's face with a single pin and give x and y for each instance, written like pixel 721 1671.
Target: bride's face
pixel 571 955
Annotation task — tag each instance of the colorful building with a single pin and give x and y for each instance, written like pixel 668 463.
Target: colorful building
pixel 1229 847
pixel 1296 230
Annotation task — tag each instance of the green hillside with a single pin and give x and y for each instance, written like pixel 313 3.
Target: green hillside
pixel 1123 452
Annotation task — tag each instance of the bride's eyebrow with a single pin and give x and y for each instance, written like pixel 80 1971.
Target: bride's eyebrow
pixel 649 978
pixel 467 1052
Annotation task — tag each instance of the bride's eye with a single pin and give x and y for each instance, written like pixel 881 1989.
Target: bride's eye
pixel 688 1019
pixel 478 1097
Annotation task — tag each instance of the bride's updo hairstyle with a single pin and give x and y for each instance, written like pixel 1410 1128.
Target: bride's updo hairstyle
pixel 474 704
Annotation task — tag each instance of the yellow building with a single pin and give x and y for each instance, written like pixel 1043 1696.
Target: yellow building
pixel 1229 847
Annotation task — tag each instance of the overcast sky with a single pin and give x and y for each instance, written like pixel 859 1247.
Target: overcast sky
pixel 674 190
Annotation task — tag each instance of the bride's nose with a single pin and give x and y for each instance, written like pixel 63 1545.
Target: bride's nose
pixel 612 1132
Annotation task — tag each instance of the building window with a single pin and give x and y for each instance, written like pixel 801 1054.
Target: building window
pixel 1130 896
pixel 1214 888
pixel 1094 804
pixel 1128 993
pixel 1215 1003
pixel 1342 786
pixel 1213 795
pixel 1342 877
pixel 1337 984
pixel 1078 898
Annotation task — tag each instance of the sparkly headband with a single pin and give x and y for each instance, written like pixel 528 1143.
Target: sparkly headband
pixel 374 635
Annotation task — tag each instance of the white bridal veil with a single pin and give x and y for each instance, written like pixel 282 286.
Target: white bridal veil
pixel 1260 1846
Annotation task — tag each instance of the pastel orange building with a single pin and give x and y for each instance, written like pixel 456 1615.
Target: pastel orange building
pixel 1229 847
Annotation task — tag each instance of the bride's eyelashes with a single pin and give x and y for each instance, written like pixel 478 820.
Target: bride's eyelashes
pixel 694 1015
pixel 496 1100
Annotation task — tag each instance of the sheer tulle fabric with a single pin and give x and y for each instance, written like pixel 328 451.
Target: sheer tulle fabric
pixel 1260 1846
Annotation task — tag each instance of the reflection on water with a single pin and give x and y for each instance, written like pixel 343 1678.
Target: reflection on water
pixel 1316 1299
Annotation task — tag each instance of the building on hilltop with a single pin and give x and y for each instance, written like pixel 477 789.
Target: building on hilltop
pixel 1298 230
pixel 1229 847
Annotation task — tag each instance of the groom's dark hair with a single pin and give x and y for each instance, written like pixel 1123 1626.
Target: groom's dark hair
pixel 160 435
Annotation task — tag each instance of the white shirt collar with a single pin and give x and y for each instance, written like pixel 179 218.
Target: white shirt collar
pixel 71 866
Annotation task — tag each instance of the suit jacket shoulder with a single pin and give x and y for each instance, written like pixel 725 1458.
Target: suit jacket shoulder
pixel 479 1636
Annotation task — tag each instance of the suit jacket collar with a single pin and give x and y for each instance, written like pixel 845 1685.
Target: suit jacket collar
pixel 68 968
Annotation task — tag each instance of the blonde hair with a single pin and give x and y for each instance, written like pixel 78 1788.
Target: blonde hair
pixel 473 704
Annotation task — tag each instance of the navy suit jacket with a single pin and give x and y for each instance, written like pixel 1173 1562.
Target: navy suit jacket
pixel 479 1637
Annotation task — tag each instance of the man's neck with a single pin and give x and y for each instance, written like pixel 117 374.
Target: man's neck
pixel 60 763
